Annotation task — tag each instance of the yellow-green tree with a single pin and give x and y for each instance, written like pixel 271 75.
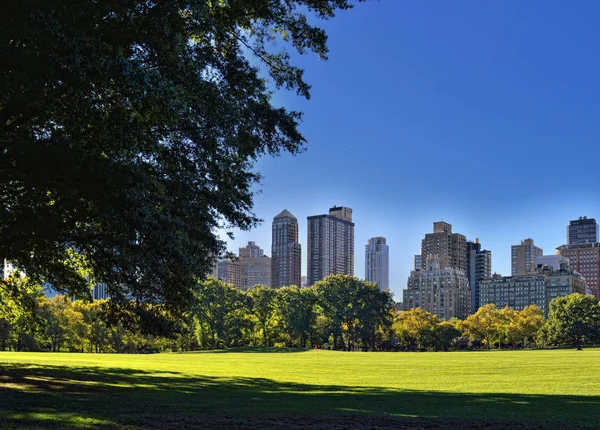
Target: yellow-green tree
pixel 414 328
pixel 524 326
pixel 484 325
pixel 97 333
pixel 63 325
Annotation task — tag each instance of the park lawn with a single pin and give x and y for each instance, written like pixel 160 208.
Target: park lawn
pixel 311 389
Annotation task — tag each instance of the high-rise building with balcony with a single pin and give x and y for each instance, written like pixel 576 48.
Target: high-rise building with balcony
pixel 377 261
pixel 582 230
pixel 330 244
pixel 286 253
pixel 523 258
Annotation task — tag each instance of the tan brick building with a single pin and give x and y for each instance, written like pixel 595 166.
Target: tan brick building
pixel 450 248
pixel 523 258
pixel 585 259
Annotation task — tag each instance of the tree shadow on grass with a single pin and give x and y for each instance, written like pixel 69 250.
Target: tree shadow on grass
pixel 86 397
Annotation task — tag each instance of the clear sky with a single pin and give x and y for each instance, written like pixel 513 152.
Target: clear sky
pixel 483 114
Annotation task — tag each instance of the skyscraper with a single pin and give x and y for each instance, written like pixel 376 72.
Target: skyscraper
pixel 582 230
pixel 450 248
pixel 479 264
pixel 377 262
pixel 441 285
pixel 441 291
pixel 330 244
pixel 523 258
pixel 286 253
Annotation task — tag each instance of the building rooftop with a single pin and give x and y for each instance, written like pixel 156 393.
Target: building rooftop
pixel 285 214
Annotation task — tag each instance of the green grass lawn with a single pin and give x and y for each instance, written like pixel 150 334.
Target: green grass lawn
pixel 311 389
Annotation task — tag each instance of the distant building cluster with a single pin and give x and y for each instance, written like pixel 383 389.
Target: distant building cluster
pixel 330 243
pixel 451 277
pixel 538 289
pixel 451 272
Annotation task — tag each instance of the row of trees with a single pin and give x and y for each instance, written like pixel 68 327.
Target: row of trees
pixel 339 312
pixel 488 327
pixel 573 320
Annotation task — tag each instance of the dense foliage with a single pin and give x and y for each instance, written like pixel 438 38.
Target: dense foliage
pixel 221 316
pixel 339 312
pixel 573 320
pixel 129 130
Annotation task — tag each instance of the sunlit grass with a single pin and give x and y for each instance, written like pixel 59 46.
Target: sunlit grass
pixel 547 388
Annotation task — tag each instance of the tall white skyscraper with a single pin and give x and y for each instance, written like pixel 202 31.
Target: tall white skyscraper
pixel 330 244
pixel 377 261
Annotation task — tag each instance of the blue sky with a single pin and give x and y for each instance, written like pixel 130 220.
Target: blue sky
pixel 483 114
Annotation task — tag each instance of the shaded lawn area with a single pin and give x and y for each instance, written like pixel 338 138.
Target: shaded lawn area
pixel 80 396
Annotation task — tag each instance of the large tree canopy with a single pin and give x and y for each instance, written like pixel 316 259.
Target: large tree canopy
pixel 129 131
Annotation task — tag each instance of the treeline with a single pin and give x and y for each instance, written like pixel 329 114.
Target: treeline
pixel 340 312
pixel 573 320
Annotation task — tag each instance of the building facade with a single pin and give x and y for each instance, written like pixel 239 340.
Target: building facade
pixel 286 253
pixel 377 261
pixel 252 250
pixel 585 259
pixel 523 258
pixel 257 271
pixel 450 248
pixel 100 291
pixel 330 244
pixel 441 291
pixel 417 262
pixel 231 271
pixel 257 266
pixel 479 267
pixel 552 261
pixel 582 230
pixel 538 289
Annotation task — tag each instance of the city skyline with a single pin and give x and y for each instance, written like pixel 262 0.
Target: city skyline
pixel 397 288
pixel 452 118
